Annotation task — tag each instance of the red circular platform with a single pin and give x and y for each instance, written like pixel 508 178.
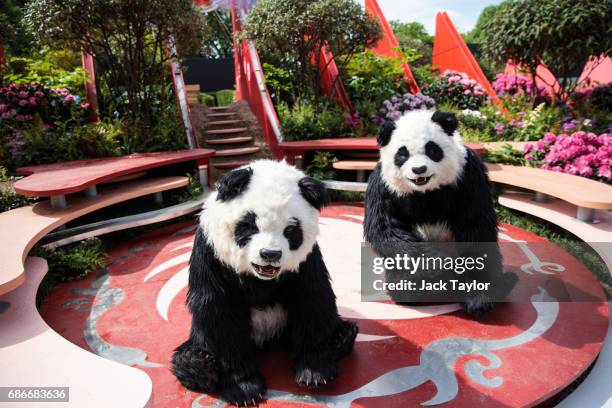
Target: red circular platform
pixel 520 354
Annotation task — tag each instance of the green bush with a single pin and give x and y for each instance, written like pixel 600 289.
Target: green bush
pixel 208 99
pixel 8 199
pixel 53 69
pixel 321 166
pixel 279 82
pixel 225 97
pixel 302 122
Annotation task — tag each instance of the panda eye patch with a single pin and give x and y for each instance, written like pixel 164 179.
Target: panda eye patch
pixel 245 229
pixel 433 151
pixel 293 233
pixel 401 156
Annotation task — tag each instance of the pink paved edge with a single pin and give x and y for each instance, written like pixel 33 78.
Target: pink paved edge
pixel 34 355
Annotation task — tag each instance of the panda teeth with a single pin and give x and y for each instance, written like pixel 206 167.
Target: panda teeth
pixel 267 270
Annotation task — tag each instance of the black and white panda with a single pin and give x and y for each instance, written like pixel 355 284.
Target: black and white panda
pixel 257 279
pixel 429 187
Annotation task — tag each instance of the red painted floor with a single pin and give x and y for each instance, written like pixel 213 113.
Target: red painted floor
pixel 518 355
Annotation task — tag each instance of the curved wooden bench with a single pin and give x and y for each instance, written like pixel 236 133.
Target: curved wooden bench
pixel 23 227
pixel 34 355
pixel 59 179
pixel 587 195
pixel 361 166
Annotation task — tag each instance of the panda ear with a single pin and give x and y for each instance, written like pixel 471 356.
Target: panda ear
pixel 314 192
pixel 233 184
pixel 385 132
pixel 447 120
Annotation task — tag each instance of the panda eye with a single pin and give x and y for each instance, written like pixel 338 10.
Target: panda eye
pixel 433 151
pixel 401 156
pixel 245 229
pixel 293 233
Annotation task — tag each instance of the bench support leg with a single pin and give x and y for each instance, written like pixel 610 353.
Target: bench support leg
pixel 158 198
pixel 299 162
pixel 58 201
pixel 203 175
pixel 91 191
pixel 361 176
pixel 542 198
pixel 586 214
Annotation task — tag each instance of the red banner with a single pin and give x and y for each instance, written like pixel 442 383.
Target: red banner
pixel 451 52
pixel 388 46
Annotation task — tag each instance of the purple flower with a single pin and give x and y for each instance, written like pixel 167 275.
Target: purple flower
pixel 499 128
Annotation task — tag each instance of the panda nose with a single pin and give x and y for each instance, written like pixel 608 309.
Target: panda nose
pixel 270 255
pixel 419 170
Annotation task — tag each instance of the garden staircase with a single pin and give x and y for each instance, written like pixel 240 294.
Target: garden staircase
pixel 224 130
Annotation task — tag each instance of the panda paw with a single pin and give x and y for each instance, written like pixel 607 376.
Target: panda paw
pixel 309 376
pixel 478 305
pixel 245 393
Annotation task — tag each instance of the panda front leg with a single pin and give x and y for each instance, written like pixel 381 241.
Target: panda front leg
pixel 318 336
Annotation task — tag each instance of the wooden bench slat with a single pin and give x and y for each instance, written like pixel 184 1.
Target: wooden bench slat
pixel 71 177
pixel 577 190
pixel 355 164
pixel 21 228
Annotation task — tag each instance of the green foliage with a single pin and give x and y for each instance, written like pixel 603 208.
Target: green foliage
pixel 8 199
pixel 413 36
pixel 562 33
pixel 225 97
pixel 53 69
pixel 208 99
pixel 373 78
pixel 291 34
pixel 218 41
pixel 425 74
pixel 303 122
pixel 506 154
pixel 69 263
pixel 321 166
pixel 129 39
pixel 279 83
pixel 16 37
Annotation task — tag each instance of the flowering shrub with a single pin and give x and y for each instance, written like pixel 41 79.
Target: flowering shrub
pixel 20 103
pixel 581 153
pixel 394 108
pixel 509 85
pixel 456 88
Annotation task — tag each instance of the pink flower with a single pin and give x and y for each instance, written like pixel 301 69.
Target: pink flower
pixel 528 147
pixel 5 115
pixel 69 99
pixel 19 118
pixel 528 156
pixel 467 92
pixel 604 171
pixel 23 102
pixel 549 137
pixel 3 107
pixel 23 95
pixel 85 105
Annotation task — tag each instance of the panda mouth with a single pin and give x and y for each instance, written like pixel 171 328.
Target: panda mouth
pixel 421 181
pixel 266 271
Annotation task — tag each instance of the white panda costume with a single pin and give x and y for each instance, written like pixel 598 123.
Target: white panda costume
pixel 429 187
pixel 257 279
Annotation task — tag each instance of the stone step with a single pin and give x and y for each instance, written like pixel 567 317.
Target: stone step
pixel 224 122
pixel 229 165
pixel 227 131
pixel 230 140
pixel 221 115
pixel 237 152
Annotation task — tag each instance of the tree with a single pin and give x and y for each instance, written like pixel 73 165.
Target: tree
pixel 292 33
pixel 16 39
pixel 413 36
pixel 218 38
pixel 561 33
pixel 128 38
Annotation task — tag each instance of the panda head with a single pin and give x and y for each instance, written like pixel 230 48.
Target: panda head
pixel 263 219
pixel 422 151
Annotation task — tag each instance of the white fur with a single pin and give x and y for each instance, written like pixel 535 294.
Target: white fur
pixel 414 130
pixel 267 323
pixel 274 196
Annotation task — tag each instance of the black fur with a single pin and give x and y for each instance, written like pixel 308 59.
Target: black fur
pixel 314 192
pixel 220 353
pixel 466 207
pixel 434 152
pixel 245 229
pixel 401 156
pixel 385 132
pixel 294 234
pixel 232 184
pixel 447 120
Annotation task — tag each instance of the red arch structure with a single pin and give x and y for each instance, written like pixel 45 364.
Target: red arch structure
pixel 331 83
pixel 388 46
pixel 597 71
pixel 451 52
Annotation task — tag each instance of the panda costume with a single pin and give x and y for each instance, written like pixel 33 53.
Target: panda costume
pixel 428 187
pixel 257 279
